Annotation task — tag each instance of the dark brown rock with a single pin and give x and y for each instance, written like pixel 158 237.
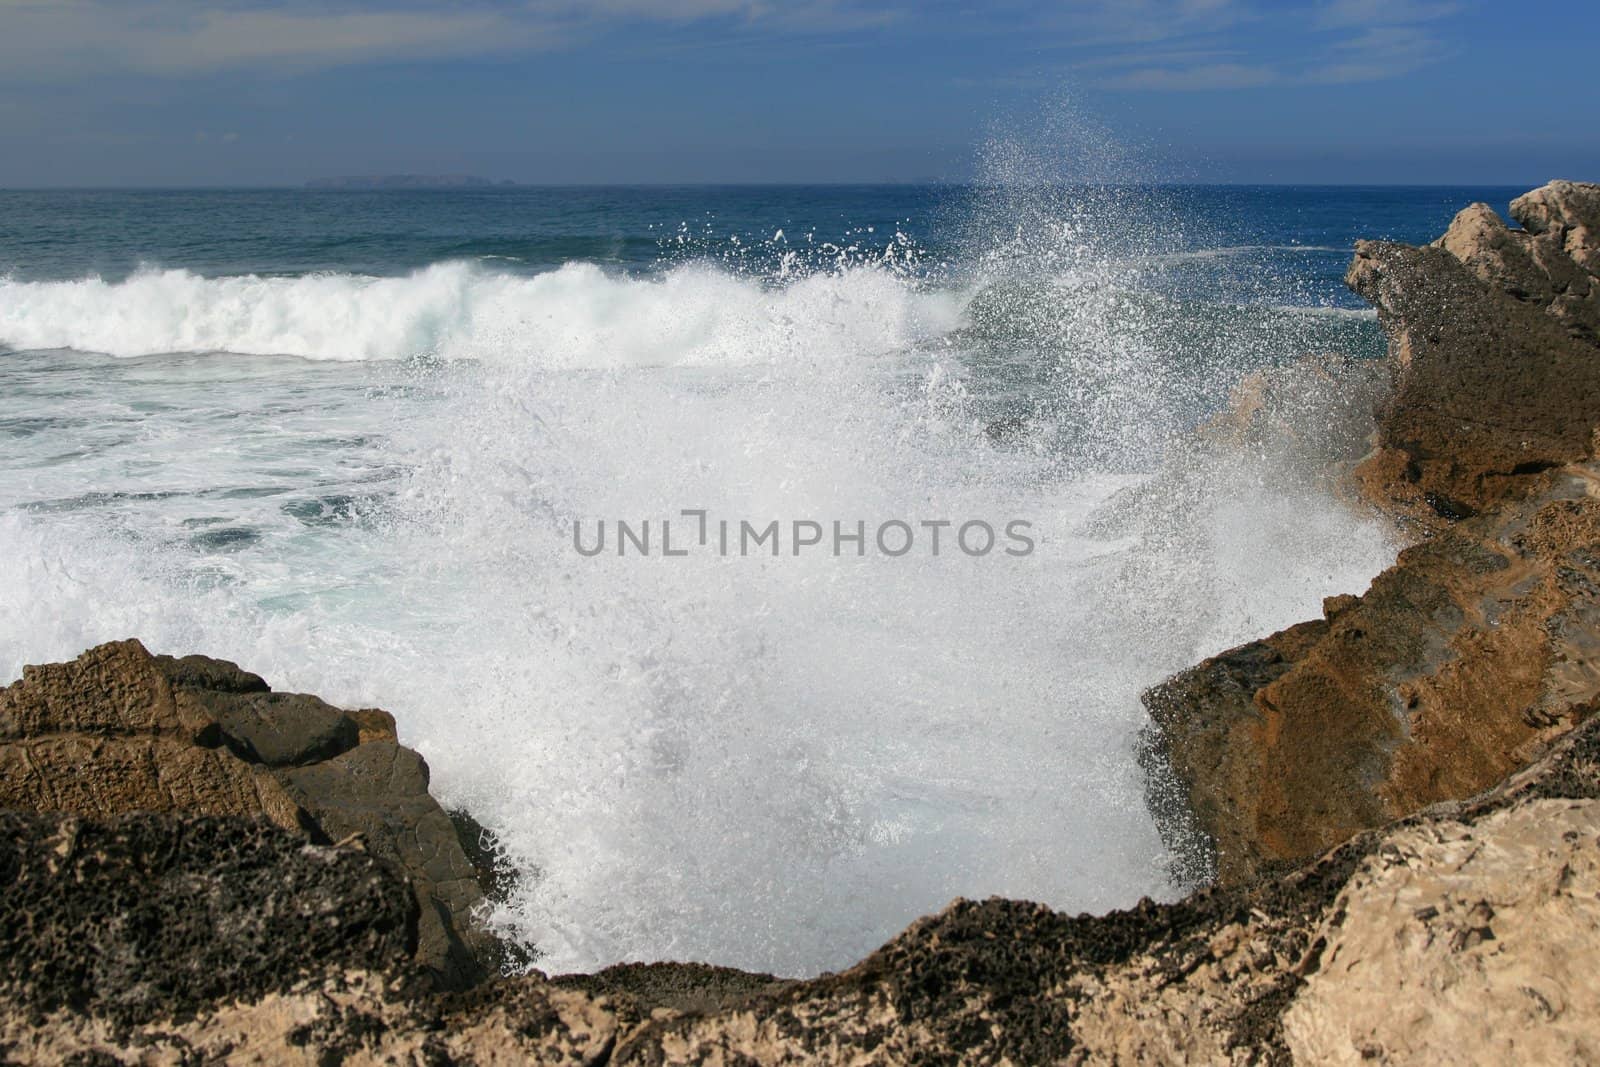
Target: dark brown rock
pixel 145 916
pixel 282 729
pixel 379 790
pixel 1488 391
pixel 119 730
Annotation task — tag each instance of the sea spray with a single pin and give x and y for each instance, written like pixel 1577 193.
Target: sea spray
pixel 766 761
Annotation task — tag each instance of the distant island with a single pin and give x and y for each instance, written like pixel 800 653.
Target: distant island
pixel 407 181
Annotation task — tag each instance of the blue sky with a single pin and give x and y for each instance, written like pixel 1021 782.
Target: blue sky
pixel 112 92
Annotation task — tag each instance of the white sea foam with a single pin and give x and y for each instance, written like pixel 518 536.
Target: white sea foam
pixel 577 316
pixel 1330 311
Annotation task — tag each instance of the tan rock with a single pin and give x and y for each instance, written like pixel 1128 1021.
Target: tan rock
pixel 1465 944
pixel 1456 666
pixel 117 688
pixel 102 776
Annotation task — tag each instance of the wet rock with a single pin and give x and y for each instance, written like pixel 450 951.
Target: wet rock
pixel 119 730
pixel 1459 663
pixel 379 791
pixel 144 916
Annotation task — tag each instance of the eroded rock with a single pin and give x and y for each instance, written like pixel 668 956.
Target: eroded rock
pixel 1482 642
pixel 1489 910
pixel 118 730
pixel 144 916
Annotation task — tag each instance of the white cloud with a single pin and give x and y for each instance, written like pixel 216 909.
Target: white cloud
pixel 160 37
pixel 1348 41
pixel 178 38
pixel 1143 45
pixel 1381 52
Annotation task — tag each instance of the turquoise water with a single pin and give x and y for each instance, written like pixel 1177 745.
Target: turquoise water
pixel 343 438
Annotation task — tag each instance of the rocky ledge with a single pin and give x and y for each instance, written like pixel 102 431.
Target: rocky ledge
pixel 1466 932
pixel 1481 645
pixel 119 730
pixel 1400 801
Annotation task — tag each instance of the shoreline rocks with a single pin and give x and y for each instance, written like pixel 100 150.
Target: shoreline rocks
pixel 1481 644
pixel 118 731
pixel 1466 932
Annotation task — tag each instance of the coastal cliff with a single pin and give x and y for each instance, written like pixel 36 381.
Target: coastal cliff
pixel 1400 801
pixel 1478 647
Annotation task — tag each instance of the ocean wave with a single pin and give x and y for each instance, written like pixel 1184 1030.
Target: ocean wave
pixel 1327 311
pixel 576 316
pixel 1167 259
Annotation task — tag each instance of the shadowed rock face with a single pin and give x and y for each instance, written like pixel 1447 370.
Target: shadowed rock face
pixel 119 730
pixel 1482 643
pixel 1493 337
pixel 1553 262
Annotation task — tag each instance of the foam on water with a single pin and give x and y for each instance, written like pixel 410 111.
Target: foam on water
pixel 773 763
pixel 576 316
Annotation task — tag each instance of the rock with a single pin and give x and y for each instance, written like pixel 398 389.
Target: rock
pixel 145 916
pixel 679 987
pixel 202 672
pixel 101 776
pixel 1553 262
pixel 1492 333
pixel 380 791
pixel 1488 391
pixel 1454 941
pixel 1475 649
pixel 117 688
pixel 1463 934
pixel 282 729
pixel 119 730
pixel 1482 642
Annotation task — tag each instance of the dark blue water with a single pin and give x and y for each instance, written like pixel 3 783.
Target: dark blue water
pixel 72 234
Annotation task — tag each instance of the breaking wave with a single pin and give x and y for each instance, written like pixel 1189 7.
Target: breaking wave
pixel 576 316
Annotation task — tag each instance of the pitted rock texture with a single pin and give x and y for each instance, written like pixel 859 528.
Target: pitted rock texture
pixel 1553 262
pixel 1464 934
pixel 148 915
pixel 118 730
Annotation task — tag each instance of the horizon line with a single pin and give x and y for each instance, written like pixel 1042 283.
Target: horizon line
pixel 503 186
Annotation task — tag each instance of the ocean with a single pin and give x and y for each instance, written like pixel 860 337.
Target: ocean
pixel 345 439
